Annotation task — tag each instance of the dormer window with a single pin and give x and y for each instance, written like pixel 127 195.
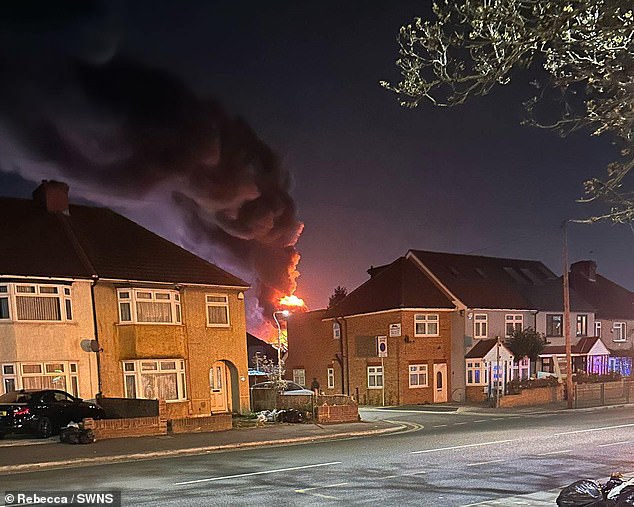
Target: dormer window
pixel 149 306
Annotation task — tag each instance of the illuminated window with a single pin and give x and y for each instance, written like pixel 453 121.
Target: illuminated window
pixel 336 330
pixel 582 325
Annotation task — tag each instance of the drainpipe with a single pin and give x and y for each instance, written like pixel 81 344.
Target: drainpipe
pixel 343 357
pixel 97 349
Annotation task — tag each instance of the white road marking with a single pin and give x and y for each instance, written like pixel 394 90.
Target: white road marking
pixel 614 443
pixel 602 428
pixel 465 446
pixel 263 472
pixel 555 452
pixel 308 491
pixel 401 475
pixel 484 462
pixel 460 423
pixel 480 420
pixel 439 426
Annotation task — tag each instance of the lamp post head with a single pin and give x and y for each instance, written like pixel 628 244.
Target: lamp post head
pixel 283 313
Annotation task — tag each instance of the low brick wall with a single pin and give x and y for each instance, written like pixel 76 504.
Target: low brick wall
pixel 331 414
pixel 475 394
pixel 131 427
pixel 536 396
pixel 218 422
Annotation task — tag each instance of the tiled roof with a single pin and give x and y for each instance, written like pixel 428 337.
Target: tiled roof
pixel 481 348
pixel 582 347
pixel 400 284
pixel 493 282
pixel 95 241
pixel 610 300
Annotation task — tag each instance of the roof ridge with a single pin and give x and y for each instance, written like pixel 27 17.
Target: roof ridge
pixel 477 256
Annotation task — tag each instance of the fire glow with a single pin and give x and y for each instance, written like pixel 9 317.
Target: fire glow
pixel 292 301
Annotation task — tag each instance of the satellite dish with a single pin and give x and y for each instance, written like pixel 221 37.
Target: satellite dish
pixel 90 346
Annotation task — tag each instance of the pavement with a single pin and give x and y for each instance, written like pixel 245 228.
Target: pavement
pixel 26 454
pixel 21 454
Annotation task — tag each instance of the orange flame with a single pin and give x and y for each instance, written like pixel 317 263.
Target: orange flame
pixel 292 300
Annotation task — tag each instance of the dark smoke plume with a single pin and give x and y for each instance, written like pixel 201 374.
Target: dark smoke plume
pixel 137 139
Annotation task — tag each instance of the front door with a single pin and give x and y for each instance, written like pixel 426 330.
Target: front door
pixel 440 383
pixel 218 387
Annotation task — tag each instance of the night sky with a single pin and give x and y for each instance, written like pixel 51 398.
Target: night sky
pixel 371 179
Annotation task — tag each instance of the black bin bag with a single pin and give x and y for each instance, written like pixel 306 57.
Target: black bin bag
pixel 585 493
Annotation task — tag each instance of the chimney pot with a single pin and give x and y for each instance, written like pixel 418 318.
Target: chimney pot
pixel 52 196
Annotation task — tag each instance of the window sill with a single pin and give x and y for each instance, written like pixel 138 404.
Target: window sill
pixel 375 388
pixel 418 387
pixel 175 324
pixel 219 326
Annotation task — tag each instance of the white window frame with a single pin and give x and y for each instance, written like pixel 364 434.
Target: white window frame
pixel 134 370
pixel 336 331
pixel 480 325
pixel 579 323
pixel 330 374
pixel 620 329
pixel 299 376
pixel 512 320
pixel 561 324
pixel 61 292
pixel 597 328
pixel 375 377
pixel 474 367
pixel 70 375
pixel 418 371
pixel 217 304
pixel 427 321
pixel 131 296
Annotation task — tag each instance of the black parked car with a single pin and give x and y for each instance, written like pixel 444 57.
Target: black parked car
pixel 43 412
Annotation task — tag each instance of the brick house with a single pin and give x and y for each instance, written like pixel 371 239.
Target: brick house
pixel 164 323
pixel 614 320
pixel 469 299
pixel 398 306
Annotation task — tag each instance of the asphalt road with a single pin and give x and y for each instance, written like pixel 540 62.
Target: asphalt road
pixel 441 459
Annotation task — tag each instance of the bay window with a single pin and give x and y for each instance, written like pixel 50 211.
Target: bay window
pixel 155 379
pixel 62 375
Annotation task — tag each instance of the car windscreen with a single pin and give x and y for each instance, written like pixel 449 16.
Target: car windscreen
pixel 15 397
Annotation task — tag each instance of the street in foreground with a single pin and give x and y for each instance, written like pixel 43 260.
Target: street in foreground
pixel 440 459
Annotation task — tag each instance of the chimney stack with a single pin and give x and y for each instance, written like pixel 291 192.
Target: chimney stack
pixel 52 196
pixel 585 269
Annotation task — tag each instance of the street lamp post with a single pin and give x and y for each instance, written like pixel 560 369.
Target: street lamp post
pixel 284 313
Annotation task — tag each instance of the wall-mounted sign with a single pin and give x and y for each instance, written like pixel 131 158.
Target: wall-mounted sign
pixel 395 330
